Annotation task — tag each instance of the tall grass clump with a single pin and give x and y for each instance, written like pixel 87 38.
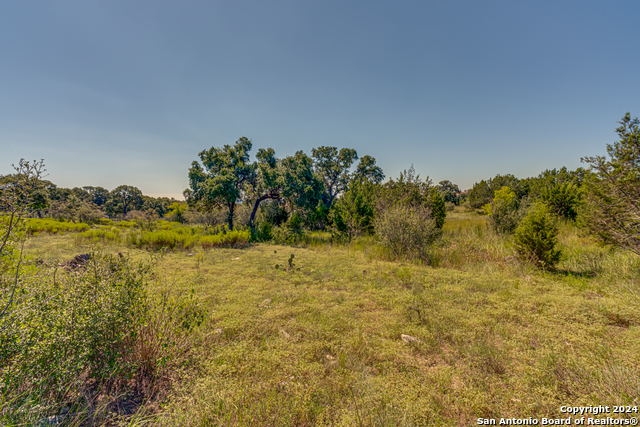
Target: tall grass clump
pixel 166 239
pixel 226 238
pixel 52 226
pixel 125 224
pixel 406 232
pixel 469 244
pixel 98 235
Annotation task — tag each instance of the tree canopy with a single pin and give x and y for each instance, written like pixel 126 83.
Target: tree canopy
pixel 332 166
pixel 368 171
pixel 124 197
pixel 222 178
pixel 612 208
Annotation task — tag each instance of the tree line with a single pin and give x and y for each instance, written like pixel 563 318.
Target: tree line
pixel 88 204
pixel 335 189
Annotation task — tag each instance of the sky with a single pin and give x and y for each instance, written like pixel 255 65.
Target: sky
pixel 129 92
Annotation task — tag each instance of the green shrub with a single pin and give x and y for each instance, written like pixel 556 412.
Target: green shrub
pixel 503 211
pixel 537 236
pixel 90 327
pixel 73 324
pixel 98 235
pixel 52 226
pixel 407 232
pixel 436 203
pixel 263 232
pixel 562 199
pixel 177 212
pixel 353 213
pixel 293 228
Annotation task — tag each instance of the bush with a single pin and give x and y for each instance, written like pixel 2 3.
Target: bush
pixel 177 212
pixel 86 330
pixel 51 226
pixel 84 315
pixel 537 236
pixel 406 232
pixel 293 228
pixel 503 211
pixel 263 232
pixel 438 207
pixel 352 214
pixel 99 235
pixel 562 199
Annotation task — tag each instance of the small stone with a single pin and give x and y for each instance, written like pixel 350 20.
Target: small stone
pixel 330 357
pixel 409 338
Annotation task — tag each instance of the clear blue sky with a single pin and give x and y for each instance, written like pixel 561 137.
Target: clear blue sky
pixel 129 92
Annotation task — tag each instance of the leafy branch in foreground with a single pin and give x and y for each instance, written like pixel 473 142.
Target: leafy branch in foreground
pixel 16 202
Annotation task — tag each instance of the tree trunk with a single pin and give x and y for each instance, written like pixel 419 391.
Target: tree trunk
pixel 230 215
pixel 255 210
pixel 331 198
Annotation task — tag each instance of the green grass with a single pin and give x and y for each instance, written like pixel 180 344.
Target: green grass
pixel 52 226
pixel 320 343
pixel 459 221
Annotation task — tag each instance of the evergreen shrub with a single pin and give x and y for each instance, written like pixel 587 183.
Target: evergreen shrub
pixel 536 237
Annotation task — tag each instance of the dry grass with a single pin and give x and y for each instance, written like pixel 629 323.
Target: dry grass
pixel 321 344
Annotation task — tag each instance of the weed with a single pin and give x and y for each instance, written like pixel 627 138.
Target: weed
pixel 290 262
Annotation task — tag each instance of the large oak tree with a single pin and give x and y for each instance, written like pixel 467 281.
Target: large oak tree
pixel 222 178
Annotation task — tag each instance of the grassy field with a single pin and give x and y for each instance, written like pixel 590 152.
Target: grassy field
pixel 344 337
